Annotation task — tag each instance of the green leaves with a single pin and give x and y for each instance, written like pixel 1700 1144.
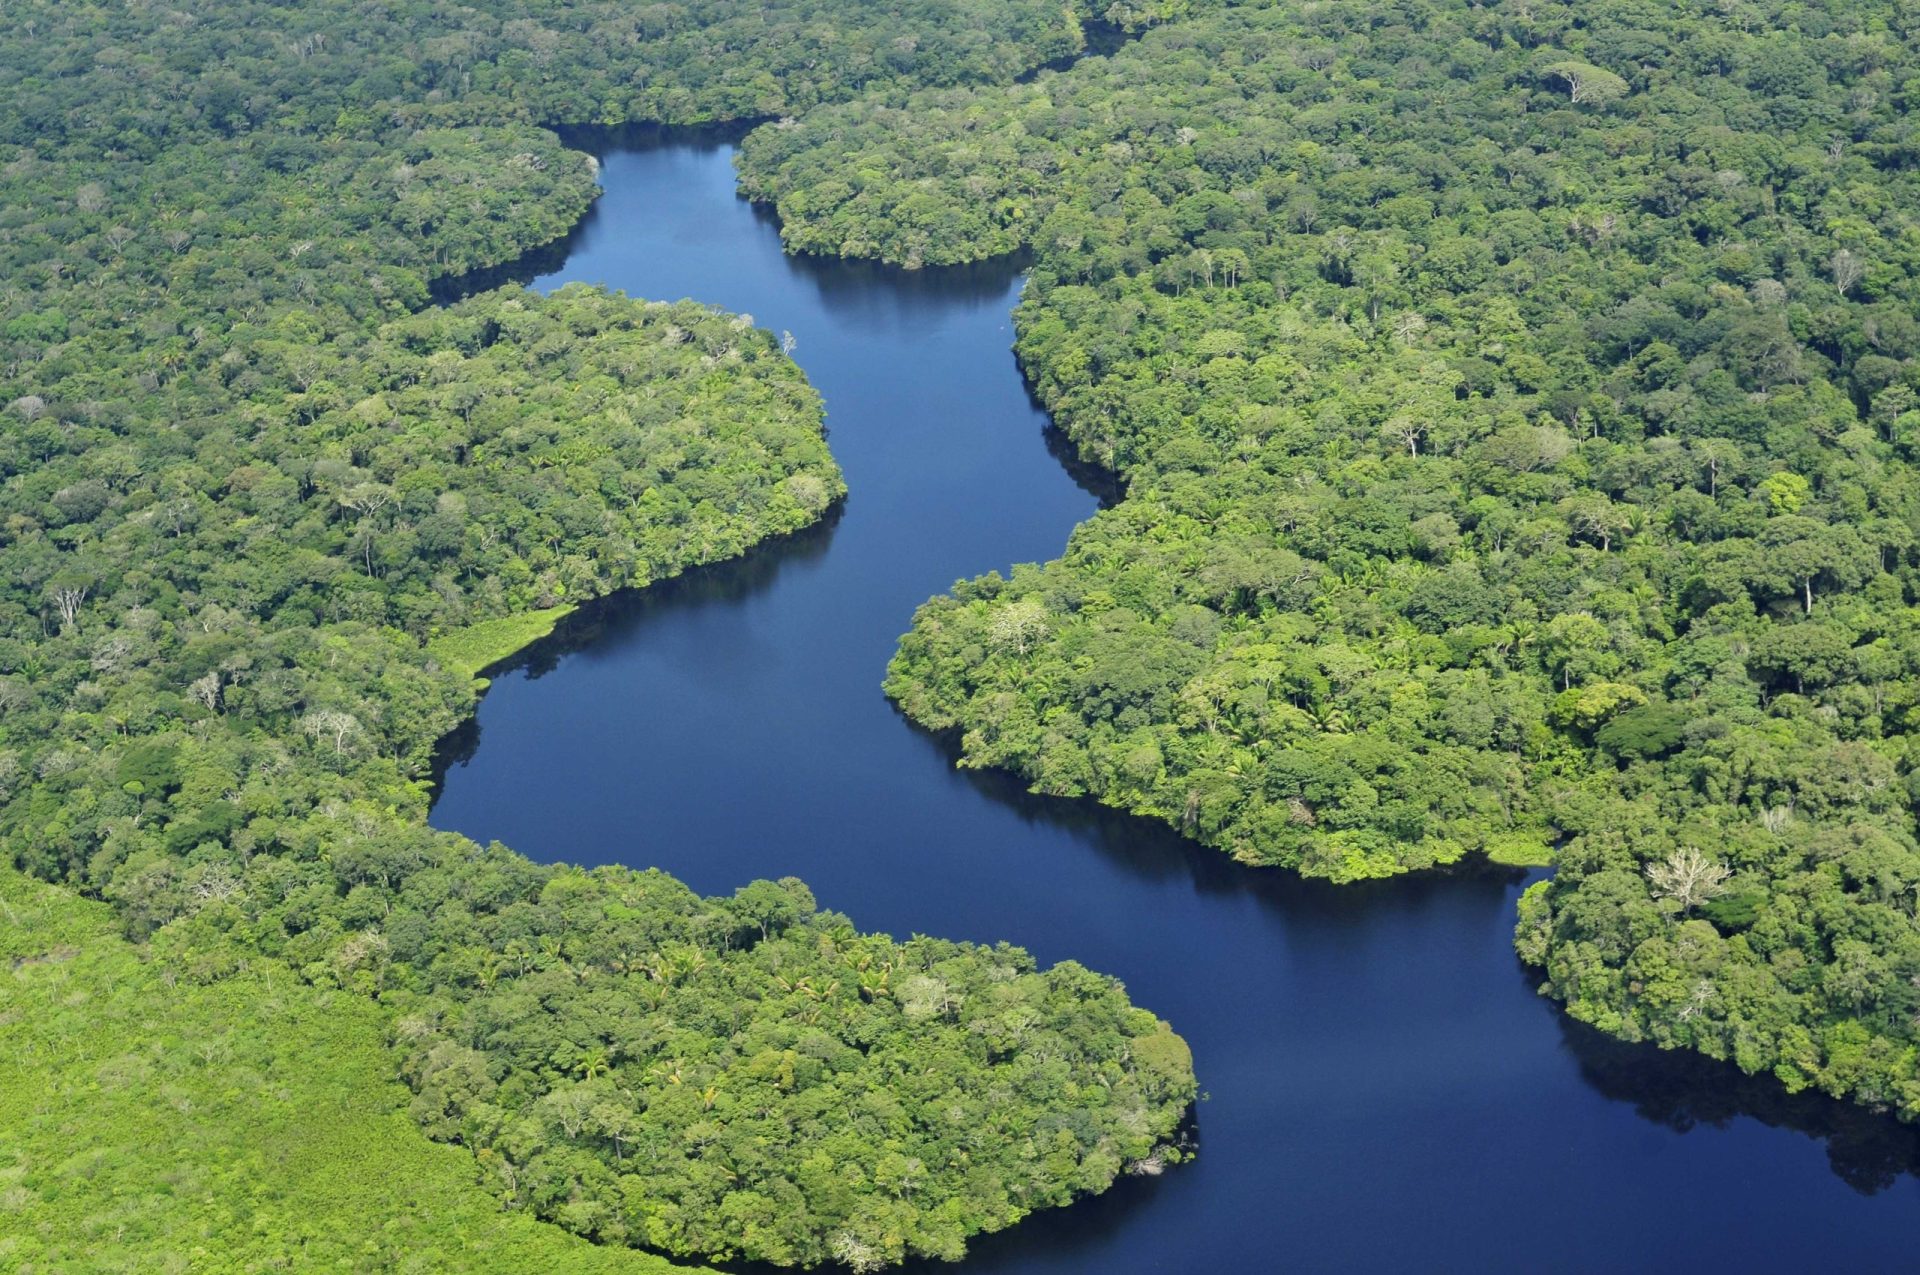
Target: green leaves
pixel 1586 84
pixel 768 1088
pixel 263 474
pixel 1505 473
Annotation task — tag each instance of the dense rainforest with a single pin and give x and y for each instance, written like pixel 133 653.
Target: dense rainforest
pixel 1517 406
pixel 253 1122
pixel 1517 409
pixel 265 511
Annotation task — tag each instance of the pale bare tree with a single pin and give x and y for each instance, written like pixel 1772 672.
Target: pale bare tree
pixel 219 883
pixel 1406 430
pixel 1587 83
pixel 367 500
pixel 1018 626
pixel 1689 878
pixel 1847 270
pixel 331 724
pixel 923 996
pixel 856 1254
pixel 1715 459
pixel 67 600
pixel 1598 518
pixel 207 691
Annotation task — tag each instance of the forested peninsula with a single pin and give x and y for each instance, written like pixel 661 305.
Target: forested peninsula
pixel 1517 407
pixel 264 511
pixel 1517 411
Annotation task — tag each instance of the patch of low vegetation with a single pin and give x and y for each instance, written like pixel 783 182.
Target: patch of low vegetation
pixel 157 1122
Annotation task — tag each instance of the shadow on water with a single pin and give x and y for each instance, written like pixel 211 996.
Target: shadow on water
pixel 1151 850
pixel 605 622
pixel 842 282
pixel 1387 1092
pixel 599 141
pixel 1685 1091
pixel 1676 1089
pixel 1103 40
pixel 1097 481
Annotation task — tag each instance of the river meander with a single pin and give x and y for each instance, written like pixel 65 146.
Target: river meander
pixel 1385 1089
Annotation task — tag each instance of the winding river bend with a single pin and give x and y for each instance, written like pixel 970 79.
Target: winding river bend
pixel 1386 1090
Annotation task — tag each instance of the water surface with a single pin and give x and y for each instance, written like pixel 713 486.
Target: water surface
pixel 1386 1091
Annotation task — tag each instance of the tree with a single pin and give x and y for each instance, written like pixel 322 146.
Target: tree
pixel 1847 270
pixel 367 500
pixel 1784 491
pixel 67 600
pixel 206 690
pixel 1018 625
pixel 1586 83
pixel 1688 878
pixel 331 724
pixel 1597 518
pixel 1569 640
pixel 1407 430
pixel 1813 655
pixel 1799 551
pixel 857 1255
pixel 767 907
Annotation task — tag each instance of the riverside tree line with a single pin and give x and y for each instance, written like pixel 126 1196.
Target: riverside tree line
pixel 1518 409
pixel 250 483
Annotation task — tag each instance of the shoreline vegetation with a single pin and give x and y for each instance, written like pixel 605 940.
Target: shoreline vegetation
pixel 270 511
pixel 470 651
pixel 1518 412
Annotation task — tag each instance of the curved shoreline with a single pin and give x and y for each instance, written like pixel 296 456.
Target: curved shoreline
pixel 1041 871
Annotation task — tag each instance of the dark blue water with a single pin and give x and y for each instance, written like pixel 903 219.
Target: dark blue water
pixel 1386 1090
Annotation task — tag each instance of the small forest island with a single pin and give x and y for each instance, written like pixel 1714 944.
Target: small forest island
pixel 1516 410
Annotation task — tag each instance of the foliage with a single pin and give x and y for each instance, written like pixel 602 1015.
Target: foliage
pixel 752 1077
pixel 468 650
pixel 102 78
pixel 156 1123
pixel 457 465
pixel 264 513
pixel 1501 467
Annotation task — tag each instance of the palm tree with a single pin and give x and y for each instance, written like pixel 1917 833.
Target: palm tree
pixel 1328 718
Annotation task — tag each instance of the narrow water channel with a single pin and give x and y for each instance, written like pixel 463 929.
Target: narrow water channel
pixel 1386 1091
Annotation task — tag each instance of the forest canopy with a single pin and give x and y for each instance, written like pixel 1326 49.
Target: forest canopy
pixel 1518 410
pixel 253 486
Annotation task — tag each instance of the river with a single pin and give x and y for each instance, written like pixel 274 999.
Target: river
pixel 1385 1090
